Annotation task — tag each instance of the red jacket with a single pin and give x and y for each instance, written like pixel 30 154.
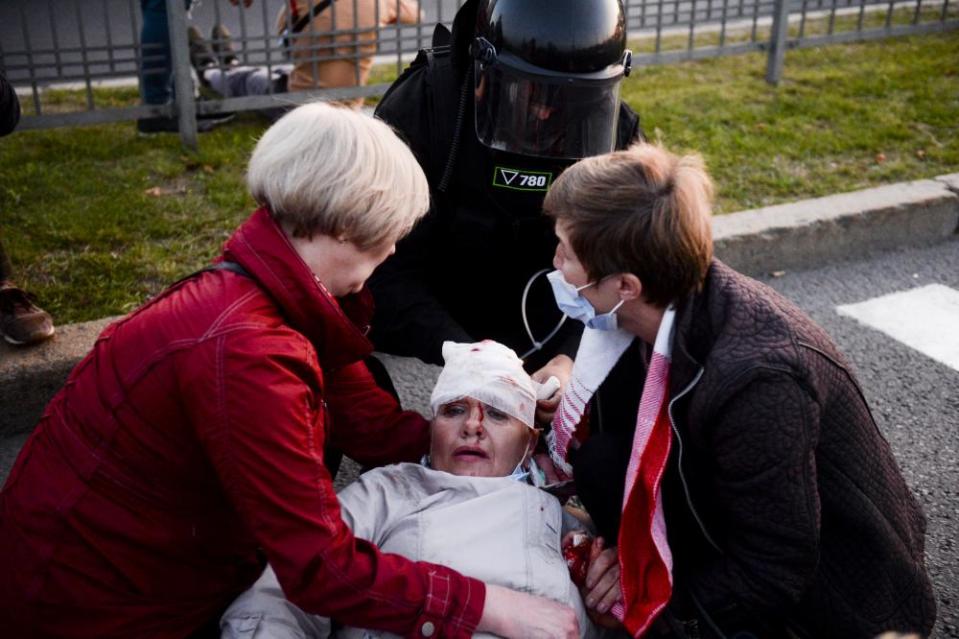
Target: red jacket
pixel 187 447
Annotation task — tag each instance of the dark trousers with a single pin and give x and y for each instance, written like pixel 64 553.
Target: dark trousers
pixel 156 66
pixel 6 269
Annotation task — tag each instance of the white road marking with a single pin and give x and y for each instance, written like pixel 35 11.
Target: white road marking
pixel 926 319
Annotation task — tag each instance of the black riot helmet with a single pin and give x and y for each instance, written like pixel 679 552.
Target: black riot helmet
pixel 547 75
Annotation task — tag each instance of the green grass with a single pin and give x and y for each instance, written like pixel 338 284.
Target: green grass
pixel 741 30
pixel 65 101
pixel 97 219
pixel 843 118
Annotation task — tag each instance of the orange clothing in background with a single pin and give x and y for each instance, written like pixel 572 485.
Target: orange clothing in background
pixel 313 47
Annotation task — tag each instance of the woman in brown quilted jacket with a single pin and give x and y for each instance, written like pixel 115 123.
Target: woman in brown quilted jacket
pixel 751 491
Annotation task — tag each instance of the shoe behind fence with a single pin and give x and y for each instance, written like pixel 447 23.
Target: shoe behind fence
pixel 221 40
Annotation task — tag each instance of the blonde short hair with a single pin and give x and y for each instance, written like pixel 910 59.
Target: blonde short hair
pixel 643 211
pixel 322 169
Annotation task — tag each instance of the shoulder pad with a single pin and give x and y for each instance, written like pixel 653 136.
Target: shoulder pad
pixel 441 36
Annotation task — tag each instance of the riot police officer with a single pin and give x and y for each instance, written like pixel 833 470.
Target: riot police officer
pixel 494 112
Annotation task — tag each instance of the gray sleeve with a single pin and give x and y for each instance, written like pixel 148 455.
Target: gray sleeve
pixel 263 612
pixel 362 505
pixel 373 503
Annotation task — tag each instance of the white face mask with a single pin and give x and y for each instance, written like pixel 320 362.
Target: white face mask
pixel 520 473
pixel 574 305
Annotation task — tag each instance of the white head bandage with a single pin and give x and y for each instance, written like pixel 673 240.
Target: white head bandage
pixel 490 373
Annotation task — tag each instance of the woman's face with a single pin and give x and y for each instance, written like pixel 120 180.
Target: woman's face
pixel 355 266
pixel 338 263
pixel 602 295
pixel 565 260
pixel 471 438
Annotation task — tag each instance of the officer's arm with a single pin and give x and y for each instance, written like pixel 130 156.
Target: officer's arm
pixel 409 319
pixel 404 108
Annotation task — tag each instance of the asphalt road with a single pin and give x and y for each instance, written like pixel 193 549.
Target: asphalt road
pixel 914 399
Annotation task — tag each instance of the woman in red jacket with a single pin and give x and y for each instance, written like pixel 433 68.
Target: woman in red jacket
pixel 186 449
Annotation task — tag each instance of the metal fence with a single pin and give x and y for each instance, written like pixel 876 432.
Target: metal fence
pixel 62 54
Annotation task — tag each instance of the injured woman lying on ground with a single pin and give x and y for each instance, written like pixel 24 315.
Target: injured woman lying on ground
pixel 472 504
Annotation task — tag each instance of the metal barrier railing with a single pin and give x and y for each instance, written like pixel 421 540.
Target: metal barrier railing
pixel 84 45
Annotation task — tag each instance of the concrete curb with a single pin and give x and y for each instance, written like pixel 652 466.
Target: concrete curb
pixel 777 238
pixel 29 377
pixel 839 227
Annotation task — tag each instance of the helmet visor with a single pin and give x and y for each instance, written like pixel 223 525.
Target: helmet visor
pixel 545 116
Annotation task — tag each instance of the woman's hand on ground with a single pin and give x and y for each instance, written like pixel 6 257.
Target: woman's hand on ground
pixel 509 613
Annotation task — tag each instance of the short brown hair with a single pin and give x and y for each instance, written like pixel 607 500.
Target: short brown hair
pixel 643 211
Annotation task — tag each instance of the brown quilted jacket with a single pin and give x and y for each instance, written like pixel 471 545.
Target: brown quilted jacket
pixel 783 499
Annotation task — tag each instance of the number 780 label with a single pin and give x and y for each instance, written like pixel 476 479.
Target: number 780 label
pixel 521 180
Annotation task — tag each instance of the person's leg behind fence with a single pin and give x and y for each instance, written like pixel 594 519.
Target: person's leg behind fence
pixel 156 68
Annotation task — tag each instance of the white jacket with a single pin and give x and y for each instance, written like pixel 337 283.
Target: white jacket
pixel 496 529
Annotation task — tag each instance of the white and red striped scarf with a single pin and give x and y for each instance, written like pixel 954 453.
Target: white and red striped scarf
pixel 645 559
